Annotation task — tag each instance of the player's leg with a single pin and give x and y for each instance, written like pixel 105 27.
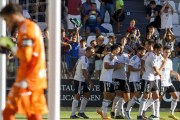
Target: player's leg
pixel 145 87
pixel 8 114
pixel 154 98
pixel 173 93
pixel 135 93
pixel 120 101
pixel 77 86
pixel 84 101
pixel 35 117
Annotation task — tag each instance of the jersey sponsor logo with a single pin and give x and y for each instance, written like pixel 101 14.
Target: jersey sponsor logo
pixel 131 61
pixel 165 69
pixel 84 65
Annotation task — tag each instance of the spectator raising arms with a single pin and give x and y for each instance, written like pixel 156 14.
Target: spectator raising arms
pixel 75 49
pixel 166 18
pixel 106 5
pixel 157 22
pixel 118 15
pixel 132 26
pixel 92 18
pixel 169 39
pixel 74 8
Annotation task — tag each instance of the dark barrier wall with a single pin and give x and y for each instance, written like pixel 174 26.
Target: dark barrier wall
pixel 95 100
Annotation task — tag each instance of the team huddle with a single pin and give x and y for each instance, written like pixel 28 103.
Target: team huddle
pixel 149 75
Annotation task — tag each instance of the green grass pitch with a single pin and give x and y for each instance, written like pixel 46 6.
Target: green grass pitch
pixel 94 116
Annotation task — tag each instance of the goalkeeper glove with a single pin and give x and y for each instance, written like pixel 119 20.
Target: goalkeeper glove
pixel 7 42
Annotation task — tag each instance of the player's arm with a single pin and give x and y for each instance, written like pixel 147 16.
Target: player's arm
pixel 87 78
pixel 130 68
pixel 74 71
pixel 172 72
pixel 154 65
pixel 107 66
pixel 131 52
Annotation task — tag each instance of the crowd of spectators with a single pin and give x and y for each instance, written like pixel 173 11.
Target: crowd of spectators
pixel 72 47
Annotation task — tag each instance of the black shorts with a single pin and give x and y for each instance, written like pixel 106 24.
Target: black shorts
pixel 121 85
pixel 106 87
pixel 80 87
pixel 168 89
pixel 148 86
pixel 158 82
pixel 118 19
pixel 135 86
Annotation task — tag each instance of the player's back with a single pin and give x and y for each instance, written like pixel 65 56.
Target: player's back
pixel 31 54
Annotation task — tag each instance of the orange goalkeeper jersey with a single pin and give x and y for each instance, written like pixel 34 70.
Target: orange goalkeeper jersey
pixel 31 54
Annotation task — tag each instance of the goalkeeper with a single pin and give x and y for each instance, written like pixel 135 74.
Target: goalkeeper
pixel 27 93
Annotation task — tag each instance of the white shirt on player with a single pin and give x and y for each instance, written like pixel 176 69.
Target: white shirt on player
pixel 145 56
pixel 121 72
pixel 106 74
pixel 158 60
pixel 135 62
pixel 82 63
pixel 150 62
pixel 165 74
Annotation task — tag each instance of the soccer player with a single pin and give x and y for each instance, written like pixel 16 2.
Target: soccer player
pixel 80 84
pixel 157 51
pixel 166 83
pixel 135 66
pixel 120 83
pixel 148 81
pixel 27 93
pixel 106 83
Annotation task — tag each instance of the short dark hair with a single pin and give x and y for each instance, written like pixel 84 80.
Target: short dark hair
pixel 151 42
pixel 152 27
pixel 158 46
pixel 82 40
pixel 11 8
pixel 166 48
pixel 89 48
pixel 141 48
pixel 92 41
pixel 114 47
pixel 120 44
pixel 93 4
pixel 153 2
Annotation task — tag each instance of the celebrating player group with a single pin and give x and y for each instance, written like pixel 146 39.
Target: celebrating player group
pixel 150 71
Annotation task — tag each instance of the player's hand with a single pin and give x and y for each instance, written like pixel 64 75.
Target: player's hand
pixel 142 72
pixel 111 57
pixel 160 76
pixel 6 42
pixel 120 65
pixel 91 84
pixel 78 9
pixel 119 15
pixel 177 77
pixel 155 74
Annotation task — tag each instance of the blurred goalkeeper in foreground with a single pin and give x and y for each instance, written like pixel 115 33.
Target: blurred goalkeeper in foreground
pixel 27 93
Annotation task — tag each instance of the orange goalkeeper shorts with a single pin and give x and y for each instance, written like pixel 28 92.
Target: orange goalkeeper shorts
pixel 27 102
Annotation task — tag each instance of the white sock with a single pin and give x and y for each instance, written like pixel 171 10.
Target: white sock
pixel 157 107
pixel 141 107
pixel 149 103
pixel 101 109
pixel 152 109
pixel 122 108
pixel 74 106
pixel 83 104
pixel 115 102
pixel 119 106
pixel 105 107
pixel 131 103
pixel 173 106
